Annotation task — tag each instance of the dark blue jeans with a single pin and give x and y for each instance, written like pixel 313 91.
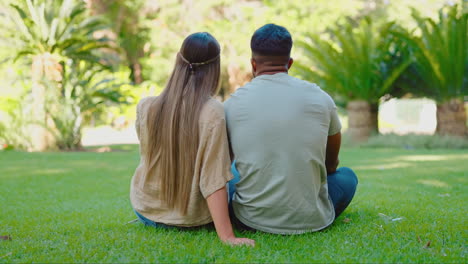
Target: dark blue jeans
pixel 341 187
pixel 148 222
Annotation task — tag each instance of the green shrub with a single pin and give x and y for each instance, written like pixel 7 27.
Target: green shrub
pixel 13 122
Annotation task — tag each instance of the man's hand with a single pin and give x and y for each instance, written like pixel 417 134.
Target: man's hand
pixel 333 149
pixel 331 168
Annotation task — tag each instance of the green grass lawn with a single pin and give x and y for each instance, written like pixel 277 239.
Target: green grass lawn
pixel 74 207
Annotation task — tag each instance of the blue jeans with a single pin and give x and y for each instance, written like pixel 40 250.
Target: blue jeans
pixel 148 222
pixel 341 187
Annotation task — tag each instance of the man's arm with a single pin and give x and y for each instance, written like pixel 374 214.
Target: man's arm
pixel 231 152
pixel 333 149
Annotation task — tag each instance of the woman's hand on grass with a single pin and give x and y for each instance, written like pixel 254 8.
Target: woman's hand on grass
pixel 218 206
pixel 239 241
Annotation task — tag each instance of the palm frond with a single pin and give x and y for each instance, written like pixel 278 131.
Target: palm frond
pixel 441 52
pixel 350 62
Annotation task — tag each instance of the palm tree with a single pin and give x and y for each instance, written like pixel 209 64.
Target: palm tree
pixel 440 51
pixel 359 64
pixel 48 33
pixel 128 29
pixel 86 90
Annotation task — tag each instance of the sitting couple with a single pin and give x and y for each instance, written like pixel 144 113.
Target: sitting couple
pixel 283 133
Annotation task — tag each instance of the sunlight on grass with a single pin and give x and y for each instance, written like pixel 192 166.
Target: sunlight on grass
pixel 435 183
pixel 393 165
pixel 433 157
pixel 19 172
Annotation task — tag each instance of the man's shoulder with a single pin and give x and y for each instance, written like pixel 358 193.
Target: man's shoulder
pixel 236 95
pixel 304 83
pixel 322 94
pixel 306 88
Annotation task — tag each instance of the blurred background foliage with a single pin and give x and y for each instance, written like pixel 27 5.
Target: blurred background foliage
pixel 67 64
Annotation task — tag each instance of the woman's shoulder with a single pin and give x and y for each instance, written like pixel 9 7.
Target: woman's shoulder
pixel 212 110
pixel 145 100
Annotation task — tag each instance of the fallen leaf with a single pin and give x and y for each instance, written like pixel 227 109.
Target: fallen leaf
pixel 8 237
pixel 428 244
pixel 443 194
pixel 419 239
pixel 346 220
pixel 6 255
pixel 385 217
pixel 133 221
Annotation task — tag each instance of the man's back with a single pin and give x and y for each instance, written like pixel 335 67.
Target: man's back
pixel 278 127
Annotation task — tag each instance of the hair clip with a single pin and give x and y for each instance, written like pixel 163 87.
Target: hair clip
pixel 191 64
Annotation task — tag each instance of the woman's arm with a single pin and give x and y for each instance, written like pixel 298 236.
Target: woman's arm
pixel 218 206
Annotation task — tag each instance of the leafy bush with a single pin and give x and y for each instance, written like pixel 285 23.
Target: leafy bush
pixel 86 91
pixel 13 123
pixel 66 49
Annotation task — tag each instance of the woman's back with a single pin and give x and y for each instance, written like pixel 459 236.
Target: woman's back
pixel 184 148
pixel 211 170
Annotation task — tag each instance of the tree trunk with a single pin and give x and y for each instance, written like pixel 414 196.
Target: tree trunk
pixel 375 118
pixel 44 66
pixel 136 72
pixel 451 118
pixel 38 131
pixel 131 27
pixel 97 7
pixel 362 120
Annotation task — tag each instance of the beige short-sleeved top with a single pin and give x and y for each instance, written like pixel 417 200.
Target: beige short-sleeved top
pixel 212 169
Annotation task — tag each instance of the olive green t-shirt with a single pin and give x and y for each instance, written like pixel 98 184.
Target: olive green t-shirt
pixel 278 127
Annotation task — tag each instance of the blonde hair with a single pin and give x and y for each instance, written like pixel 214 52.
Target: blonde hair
pixel 173 132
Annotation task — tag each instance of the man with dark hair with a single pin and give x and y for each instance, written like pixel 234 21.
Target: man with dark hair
pixel 285 138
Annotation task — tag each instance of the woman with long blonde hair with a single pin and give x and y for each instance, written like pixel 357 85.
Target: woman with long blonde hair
pixel 185 164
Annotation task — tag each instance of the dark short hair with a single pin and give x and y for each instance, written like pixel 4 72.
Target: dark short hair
pixel 271 40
